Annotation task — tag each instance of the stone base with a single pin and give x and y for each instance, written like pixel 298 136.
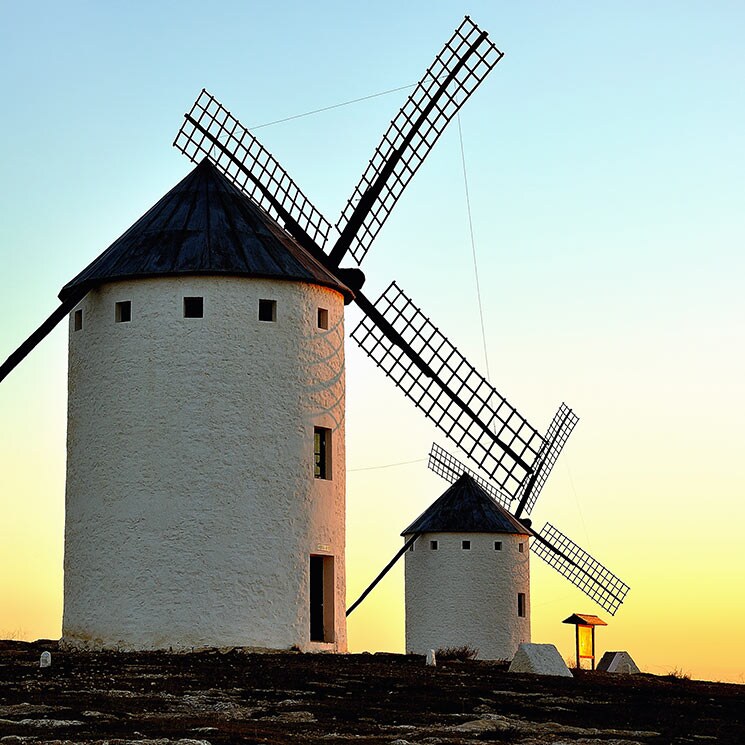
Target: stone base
pixel 539 659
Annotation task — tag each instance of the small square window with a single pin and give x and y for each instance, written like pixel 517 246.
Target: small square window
pixel 466 545
pixel 521 604
pixel 193 307
pixel 323 318
pixel 267 310
pixel 521 548
pixel 497 545
pixel 322 453
pixel 77 320
pixel 123 311
pixel 433 545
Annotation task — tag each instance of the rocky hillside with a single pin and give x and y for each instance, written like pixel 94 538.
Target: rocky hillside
pixel 238 697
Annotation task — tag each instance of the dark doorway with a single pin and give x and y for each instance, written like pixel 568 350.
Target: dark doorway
pixel 322 598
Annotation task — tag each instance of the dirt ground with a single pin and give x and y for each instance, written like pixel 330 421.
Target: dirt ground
pixel 237 697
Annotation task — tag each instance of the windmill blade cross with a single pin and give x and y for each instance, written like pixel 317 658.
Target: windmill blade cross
pixel 580 568
pixel 441 382
pixel 456 72
pixel 210 131
pixel 558 433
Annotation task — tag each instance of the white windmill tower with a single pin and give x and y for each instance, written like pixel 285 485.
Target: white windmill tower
pixel 206 367
pixel 467 576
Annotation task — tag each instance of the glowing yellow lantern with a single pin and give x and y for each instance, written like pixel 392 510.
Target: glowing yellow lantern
pixel 585 636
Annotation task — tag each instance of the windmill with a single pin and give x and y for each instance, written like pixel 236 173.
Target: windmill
pixel 466 589
pixel 394 332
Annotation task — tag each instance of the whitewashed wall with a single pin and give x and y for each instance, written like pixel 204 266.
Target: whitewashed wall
pixel 191 506
pixel 456 597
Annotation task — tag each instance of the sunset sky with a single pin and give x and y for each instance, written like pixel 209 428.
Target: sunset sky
pixel 606 168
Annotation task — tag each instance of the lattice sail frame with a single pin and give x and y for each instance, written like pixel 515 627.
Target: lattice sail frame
pixel 467 408
pixel 454 75
pixel 451 469
pixel 210 131
pixel 581 569
pixel 558 433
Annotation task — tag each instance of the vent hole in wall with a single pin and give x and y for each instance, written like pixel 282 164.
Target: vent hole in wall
pixel 123 311
pixel 267 310
pixel 323 318
pixel 193 307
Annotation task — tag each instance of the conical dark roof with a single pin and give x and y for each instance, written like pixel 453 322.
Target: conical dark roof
pixel 465 508
pixel 205 225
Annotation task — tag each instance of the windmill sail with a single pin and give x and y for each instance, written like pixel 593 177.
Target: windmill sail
pixel 456 72
pixel 581 569
pixel 451 469
pixel 558 433
pixel 210 131
pixel 441 382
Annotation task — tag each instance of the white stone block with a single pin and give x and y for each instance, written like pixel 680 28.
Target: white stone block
pixel 431 659
pixel 46 659
pixel 539 659
pixel 618 662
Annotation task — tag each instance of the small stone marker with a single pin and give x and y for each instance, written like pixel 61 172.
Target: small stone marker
pixel 431 660
pixel 539 659
pixel 618 662
pixel 45 660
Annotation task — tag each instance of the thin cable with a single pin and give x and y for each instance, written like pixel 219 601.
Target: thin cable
pixel 334 106
pixel 387 465
pixel 473 247
pixel 576 499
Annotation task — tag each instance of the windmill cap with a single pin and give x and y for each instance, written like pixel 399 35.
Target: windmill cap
pixel 465 508
pixel 205 226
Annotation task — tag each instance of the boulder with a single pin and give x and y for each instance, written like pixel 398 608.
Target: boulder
pixel 617 662
pixel 539 659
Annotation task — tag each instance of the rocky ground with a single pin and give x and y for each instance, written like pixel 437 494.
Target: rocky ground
pixel 236 697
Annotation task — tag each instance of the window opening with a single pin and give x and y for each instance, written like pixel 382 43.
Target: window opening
pixel 433 545
pixel 497 545
pixel 193 307
pixel 322 453
pixel 322 598
pixel 77 320
pixel 521 547
pixel 323 318
pixel 267 310
pixel 521 604
pixel 466 545
pixel 123 311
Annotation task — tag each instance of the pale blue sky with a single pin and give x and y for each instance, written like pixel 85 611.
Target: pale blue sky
pixel 606 161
